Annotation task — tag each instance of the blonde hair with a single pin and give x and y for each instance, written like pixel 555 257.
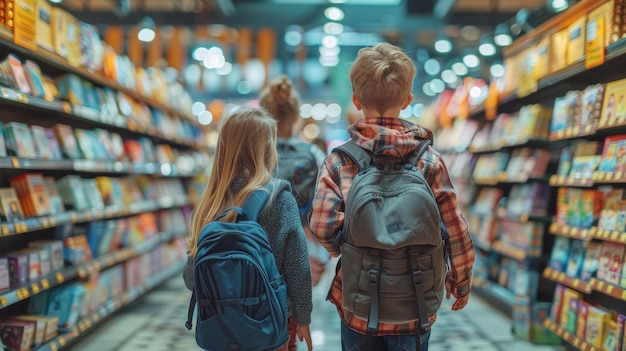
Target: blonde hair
pixel 382 77
pixel 282 101
pixel 246 148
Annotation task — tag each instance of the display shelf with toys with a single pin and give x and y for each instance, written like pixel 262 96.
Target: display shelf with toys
pixel 569 337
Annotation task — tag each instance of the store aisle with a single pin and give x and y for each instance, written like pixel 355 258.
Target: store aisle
pixel 156 323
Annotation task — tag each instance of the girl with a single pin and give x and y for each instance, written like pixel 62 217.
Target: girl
pixel 243 162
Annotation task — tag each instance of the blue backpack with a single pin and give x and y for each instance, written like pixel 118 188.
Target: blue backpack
pixel 241 296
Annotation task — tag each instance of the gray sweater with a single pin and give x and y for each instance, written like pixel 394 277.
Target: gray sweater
pixel 281 221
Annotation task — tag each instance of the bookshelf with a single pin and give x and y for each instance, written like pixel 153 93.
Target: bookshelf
pixel 565 220
pixel 118 193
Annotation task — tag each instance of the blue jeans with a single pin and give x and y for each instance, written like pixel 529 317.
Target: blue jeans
pixel 353 341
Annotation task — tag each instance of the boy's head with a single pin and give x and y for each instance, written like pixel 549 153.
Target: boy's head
pixel 382 77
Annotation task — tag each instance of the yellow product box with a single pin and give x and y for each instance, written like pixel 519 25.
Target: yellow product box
pixel 568 296
pixel 43 26
pixel 558 46
pixel 66 36
pixel 542 58
pixel 604 11
pixel 24 24
pixel 597 326
pixel 576 38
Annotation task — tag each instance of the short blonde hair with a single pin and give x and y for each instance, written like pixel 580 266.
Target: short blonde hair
pixel 246 148
pixel 282 101
pixel 382 77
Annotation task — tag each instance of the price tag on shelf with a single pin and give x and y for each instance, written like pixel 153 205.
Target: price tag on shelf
pixel 623 295
pixel 62 341
pixel 15 162
pixel 54 346
pixel 609 289
pixel 60 278
pixel 67 108
pixel 20 228
pixel 5 230
pixel 3 301
pixel 53 221
pixel 45 284
pixel 35 288
pixel 73 217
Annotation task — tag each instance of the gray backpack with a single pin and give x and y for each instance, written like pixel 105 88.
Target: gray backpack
pixel 393 255
pixel 297 165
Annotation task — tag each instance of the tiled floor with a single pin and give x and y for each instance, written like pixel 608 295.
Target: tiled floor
pixel 156 323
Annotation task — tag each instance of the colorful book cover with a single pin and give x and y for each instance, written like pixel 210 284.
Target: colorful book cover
pixel 35 78
pixel 609 213
pixel 581 323
pixel 10 207
pixel 19 140
pixel 592 104
pixel 559 115
pixel 85 143
pixel 597 320
pixel 590 263
pixel 20 76
pixel 43 26
pixel 609 152
pixel 610 262
pixel 3 148
pixel 53 144
pixel 560 254
pixel 569 295
pixel 41 142
pixel 557 303
pixel 67 140
pixel 575 260
pixel 33 190
pixel 614 106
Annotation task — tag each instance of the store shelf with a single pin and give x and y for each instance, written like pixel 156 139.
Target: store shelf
pixel 498 295
pixel 560 229
pixel 608 289
pixel 47 59
pixel 573 132
pixel 562 180
pixel 84 114
pixel 513 252
pixel 565 279
pixel 503 178
pixel 110 307
pixel 609 177
pixel 533 143
pixel 110 212
pixel 82 270
pixel 568 337
pixel 608 235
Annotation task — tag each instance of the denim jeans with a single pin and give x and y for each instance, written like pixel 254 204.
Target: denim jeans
pixel 353 341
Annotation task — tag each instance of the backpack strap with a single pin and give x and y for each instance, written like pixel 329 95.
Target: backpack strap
pixel 422 150
pixel 254 204
pixel 357 154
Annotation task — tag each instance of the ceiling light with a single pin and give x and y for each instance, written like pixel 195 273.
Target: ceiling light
pixel 333 110
pixel 559 5
pixel 337 1
pixel 471 60
pixel 329 61
pixel 199 54
pixel 428 91
pixel 329 51
pixel 306 110
pixel 449 76
pixel 443 45
pixel 293 38
pixel 418 110
pixel 329 41
pixel 407 112
pixel 319 111
pixel 334 13
pixel 56 1
pixel 432 67
pixel 197 108
pixel 333 28
pixel 205 118
pixel 459 69
pixel 497 70
pixel 502 35
pixel 486 47
pixel 225 70
pixel 437 85
pixel 475 92
pixel 146 32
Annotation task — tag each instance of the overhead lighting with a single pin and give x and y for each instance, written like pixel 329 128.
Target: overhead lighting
pixel 475 92
pixel 205 118
pixel 306 110
pixel 443 45
pixel 146 32
pixel 471 60
pixel 449 76
pixel 225 70
pixel 337 1
pixel 293 38
pixel 333 28
pixel 486 47
pixel 56 1
pixel 459 69
pixel 497 70
pixel 437 85
pixel 428 91
pixel 432 67
pixel 502 35
pixel 199 54
pixel 559 5
pixel 197 108
pixel 329 41
pixel 334 14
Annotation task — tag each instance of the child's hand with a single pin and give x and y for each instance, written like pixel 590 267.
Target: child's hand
pixel 460 302
pixel 304 334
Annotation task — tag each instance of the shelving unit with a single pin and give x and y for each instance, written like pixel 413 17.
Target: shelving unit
pixel 149 223
pixel 544 91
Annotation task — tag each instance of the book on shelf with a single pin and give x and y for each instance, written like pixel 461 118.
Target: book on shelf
pixel 3 148
pixel 591 104
pixel 614 105
pixel 31 191
pixel 67 141
pixel 560 254
pixel 590 262
pixel 610 262
pixel 10 207
pixel 614 149
pixel 19 140
pixel 575 258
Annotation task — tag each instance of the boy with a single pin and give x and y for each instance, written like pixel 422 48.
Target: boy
pixel 382 79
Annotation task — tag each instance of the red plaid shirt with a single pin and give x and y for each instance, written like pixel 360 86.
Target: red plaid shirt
pixel 335 179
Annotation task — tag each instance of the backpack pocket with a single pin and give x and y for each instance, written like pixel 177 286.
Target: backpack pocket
pixel 397 297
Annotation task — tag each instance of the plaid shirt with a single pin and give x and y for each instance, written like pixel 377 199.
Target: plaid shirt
pixel 335 179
